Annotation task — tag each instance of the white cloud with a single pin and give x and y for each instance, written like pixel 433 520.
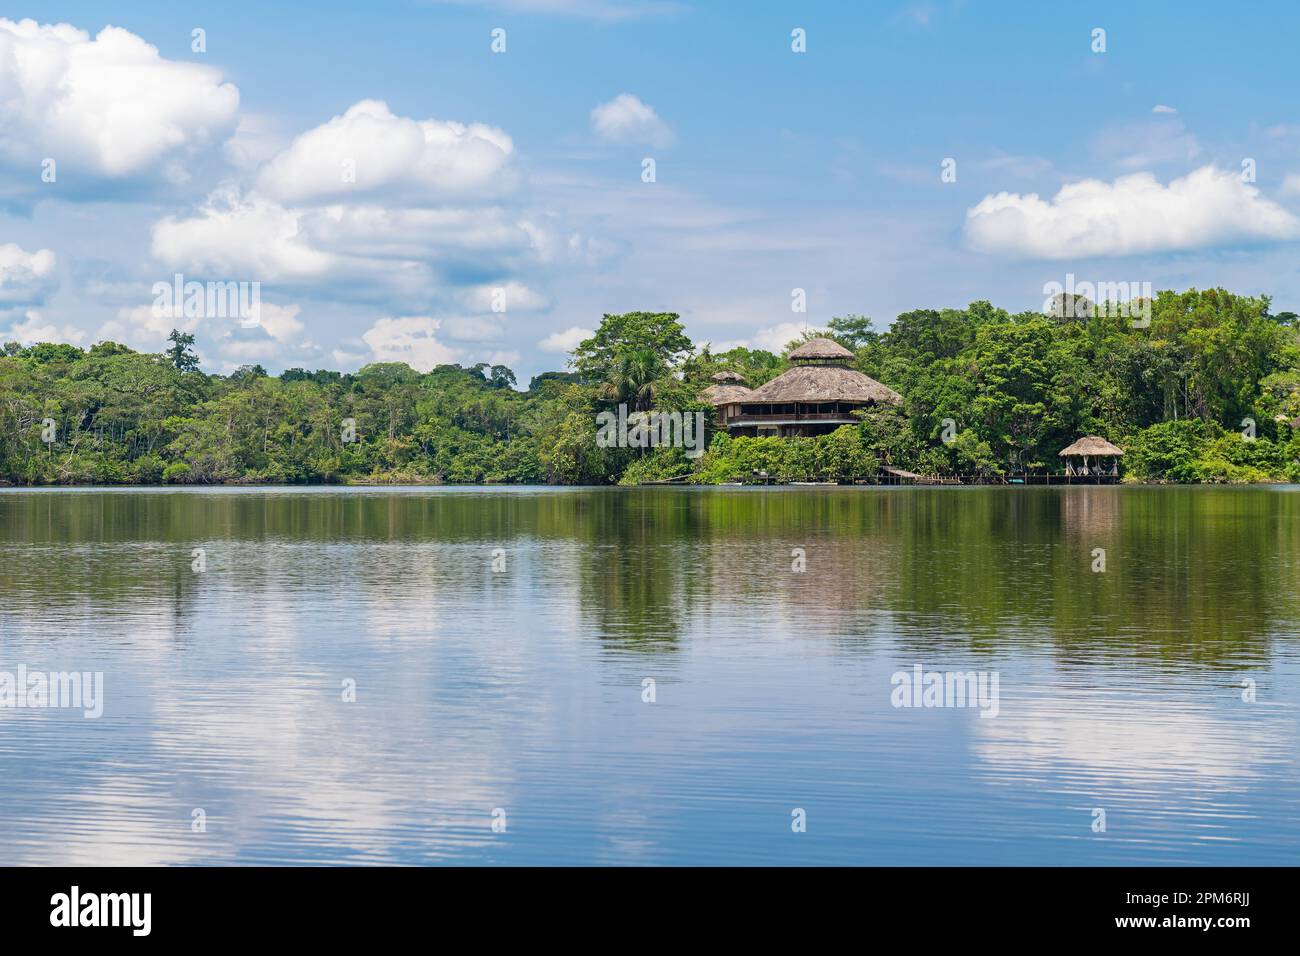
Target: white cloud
pixel 347 361
pixel 256 140
pixel 472 329
pixel 362 249
pixel 508 358
pixel 391 233
pixel 425 212
pixel 32 329
pixel 144 328
pixel 625 119
pixel 1133 214
pixel 244 237
pixel 778 337
pixel 280 321
pixel 111 106
pixel 410 339
pixel 26 278
pixel 510 296
pixel 565 341
pixel 368 151
pixel 1291 184
pixel 1161 108
pixel 433 226
pixel 773 339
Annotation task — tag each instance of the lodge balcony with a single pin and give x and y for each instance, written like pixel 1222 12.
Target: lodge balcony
pixel 791 419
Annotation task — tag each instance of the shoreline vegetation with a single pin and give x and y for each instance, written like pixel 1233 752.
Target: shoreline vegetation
pixel 1207 392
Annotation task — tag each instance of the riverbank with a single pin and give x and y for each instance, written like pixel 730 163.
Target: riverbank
pixel 1054 481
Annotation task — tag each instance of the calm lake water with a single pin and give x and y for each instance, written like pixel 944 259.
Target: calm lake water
pixel 521 691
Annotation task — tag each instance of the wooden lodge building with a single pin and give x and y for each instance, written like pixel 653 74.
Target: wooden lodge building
pixel 820 392
pixel 817 395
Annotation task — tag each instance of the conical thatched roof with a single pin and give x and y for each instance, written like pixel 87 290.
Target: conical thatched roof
pixel 1093 446
pixel 725 394
pixel 724 378
pixel 821 349
pixel 823 383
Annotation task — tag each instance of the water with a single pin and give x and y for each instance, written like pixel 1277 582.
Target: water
pixel 521 691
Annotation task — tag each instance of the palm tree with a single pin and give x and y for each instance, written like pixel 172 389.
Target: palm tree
pixel 633 379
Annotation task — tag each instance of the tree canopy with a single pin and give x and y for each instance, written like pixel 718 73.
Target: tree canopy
pixel 1207 392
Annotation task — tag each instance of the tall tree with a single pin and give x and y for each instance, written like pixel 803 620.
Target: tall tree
pixel 618 336
pixel 181 354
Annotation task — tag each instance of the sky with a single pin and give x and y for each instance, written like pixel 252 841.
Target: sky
pixel 481 180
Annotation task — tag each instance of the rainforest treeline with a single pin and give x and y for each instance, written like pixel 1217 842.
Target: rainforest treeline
pixel 1207 392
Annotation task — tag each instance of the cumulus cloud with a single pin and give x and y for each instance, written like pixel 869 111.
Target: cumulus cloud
pixel 776 338
pixel 108 105
pixel 32 328
pixel 565 341
pixel 426 216
pixel 772 339
pixel 364 249
pixel 281 322
pixel 625 119
pixel 256 140
pixel 240 236
pixel 410 339
pixel 1161 108
pixel 144 327
pixel 509 358
pixel 26 278
pixel 369 151
pixel 1133 214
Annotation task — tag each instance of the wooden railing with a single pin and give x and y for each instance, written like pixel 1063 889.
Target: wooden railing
pixel 844 416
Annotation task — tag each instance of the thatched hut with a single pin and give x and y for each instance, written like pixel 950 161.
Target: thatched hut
pixel 818 395
pixel 725 394
pixel 1092 446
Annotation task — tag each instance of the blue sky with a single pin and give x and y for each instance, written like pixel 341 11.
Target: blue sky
pixel 514 179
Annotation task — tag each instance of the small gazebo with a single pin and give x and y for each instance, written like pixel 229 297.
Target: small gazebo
pixel 1092 447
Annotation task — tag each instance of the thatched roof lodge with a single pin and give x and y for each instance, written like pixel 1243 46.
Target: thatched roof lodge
pixel 717 395
pixel 725 394
pixel 1091 446
pixel 817 395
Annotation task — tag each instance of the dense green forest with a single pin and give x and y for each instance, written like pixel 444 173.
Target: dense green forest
pixel 1207 392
